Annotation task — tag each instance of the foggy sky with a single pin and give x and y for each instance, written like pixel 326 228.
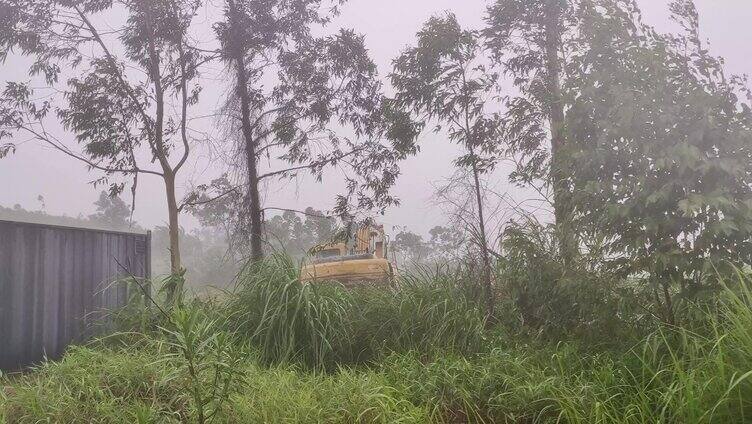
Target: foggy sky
pixel 389 26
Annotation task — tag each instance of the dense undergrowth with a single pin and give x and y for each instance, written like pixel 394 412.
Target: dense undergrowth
pixel 278 351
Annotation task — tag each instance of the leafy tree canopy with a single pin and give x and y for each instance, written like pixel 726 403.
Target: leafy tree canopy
pixel 662 147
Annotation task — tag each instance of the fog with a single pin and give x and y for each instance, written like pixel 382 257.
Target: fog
pixel 389 25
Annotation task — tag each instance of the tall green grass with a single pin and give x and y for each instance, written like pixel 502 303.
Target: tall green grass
pixel 427 312
pixel 417 353
pixel 673 376
pixel 289 321
pixel 283 394
pixel 96 385
pixel 325 325
pixel 106 385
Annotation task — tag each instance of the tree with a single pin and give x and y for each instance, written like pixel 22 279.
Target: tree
pixel 298 232
pixel 112 212
pixel 663 142
pixel 118 103
pixel 531 41
pixel 444 245
pixel 6 148
pixel 318 227
pixel 446 242
pixel 410 246
pixel 443 79
pixel 320 84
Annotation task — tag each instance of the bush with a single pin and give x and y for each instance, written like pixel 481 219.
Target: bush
pixel 582 301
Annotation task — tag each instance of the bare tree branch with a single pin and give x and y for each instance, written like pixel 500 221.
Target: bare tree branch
pixel 316 215
pixel 322 162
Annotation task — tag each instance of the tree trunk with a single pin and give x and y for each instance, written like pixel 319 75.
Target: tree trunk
pixel 173 228
pixel 173 224
pixel 254 205
pixel 253 199
pixel 487 284
pixel 666 278
pixel 562 212
pixel 168 174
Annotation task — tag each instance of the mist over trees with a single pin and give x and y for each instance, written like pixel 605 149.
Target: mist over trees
pixel 637 140
pixel 207 251
pixel 620 292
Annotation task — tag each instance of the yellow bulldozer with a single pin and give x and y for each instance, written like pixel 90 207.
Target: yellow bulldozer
pixel 362 259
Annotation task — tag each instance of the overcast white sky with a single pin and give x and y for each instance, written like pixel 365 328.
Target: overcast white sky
pixel 389 26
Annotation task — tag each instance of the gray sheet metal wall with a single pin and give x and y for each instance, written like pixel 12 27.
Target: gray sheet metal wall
pixel 56 283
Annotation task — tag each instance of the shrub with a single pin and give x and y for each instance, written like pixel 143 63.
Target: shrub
pixel 582 301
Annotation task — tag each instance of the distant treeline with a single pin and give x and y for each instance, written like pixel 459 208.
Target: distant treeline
pixel 205 247
pixel 212 259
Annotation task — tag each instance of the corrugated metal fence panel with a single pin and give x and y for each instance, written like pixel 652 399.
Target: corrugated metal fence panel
pixel 56 283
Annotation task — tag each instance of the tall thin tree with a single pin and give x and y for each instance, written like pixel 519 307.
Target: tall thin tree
pixel 443 79
pixel 530 41
pixel 297 94
pixel 116 102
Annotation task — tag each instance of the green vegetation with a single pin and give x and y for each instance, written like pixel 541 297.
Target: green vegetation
pixel 277 351
pixel 629 300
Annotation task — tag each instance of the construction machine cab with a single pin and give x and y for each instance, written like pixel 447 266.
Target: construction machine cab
pixel 360 259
